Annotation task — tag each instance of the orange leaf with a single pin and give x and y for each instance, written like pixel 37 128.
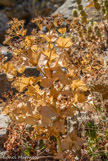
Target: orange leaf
pixel 90 5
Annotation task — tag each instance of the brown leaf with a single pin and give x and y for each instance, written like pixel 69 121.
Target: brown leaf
pixel 47 83
pixel 54 92
pixel 69 112
pixel 71 141
pixel 48 72
pixel 80 98
pixel 47 111
pixel 59 126
pixel 61 76
pixel 31 120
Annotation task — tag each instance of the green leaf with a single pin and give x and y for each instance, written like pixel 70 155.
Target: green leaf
pixel 27 151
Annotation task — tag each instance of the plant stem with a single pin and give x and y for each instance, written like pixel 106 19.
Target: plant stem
pixel 59 145
pixel 58 137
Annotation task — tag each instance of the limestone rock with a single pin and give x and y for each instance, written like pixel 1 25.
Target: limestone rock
pixel 3 25
pixel 69 5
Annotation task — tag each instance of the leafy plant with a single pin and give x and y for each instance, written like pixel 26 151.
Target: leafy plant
pixel 64 62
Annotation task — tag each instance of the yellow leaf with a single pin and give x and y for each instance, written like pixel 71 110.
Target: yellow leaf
pixel 55 24
pixel 48 39
pixel 35 58
pixel 50 54
pixel 22 82
pixel 62 30
pixel 47 53
pixel 9 68
pixel 72 71
pixel 78 84
pixel 22 69
pixel 6 110
pixel 64 42
pixel 24 32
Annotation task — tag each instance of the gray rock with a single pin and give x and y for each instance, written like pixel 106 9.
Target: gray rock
pixel 66 8
pixel 69 5
pixel 3 25
pixel 4 122
pixel 6 53
pixel 2 154
pixel 4 84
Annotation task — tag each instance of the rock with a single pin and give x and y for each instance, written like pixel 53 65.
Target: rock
pixel 17 11
pixel 31 72
pixel 5 52
pixel 25 9
pixel 6 3
pixel 4 122
pixel 3 26
pixel 69 5
pixel 66 8
pixel 2 154
pixel 45 29
pixel 4 84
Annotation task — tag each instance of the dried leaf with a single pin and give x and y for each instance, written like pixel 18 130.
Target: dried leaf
pixel 22 82
pixel 22 69
pixel 62 30
pixel 31 120
pixel 64 42
pixel 69 112
pixel 78 84
pixel 47 83
pixel 80 98
pixel 90 5
pixel 59 126
pixel 47 111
